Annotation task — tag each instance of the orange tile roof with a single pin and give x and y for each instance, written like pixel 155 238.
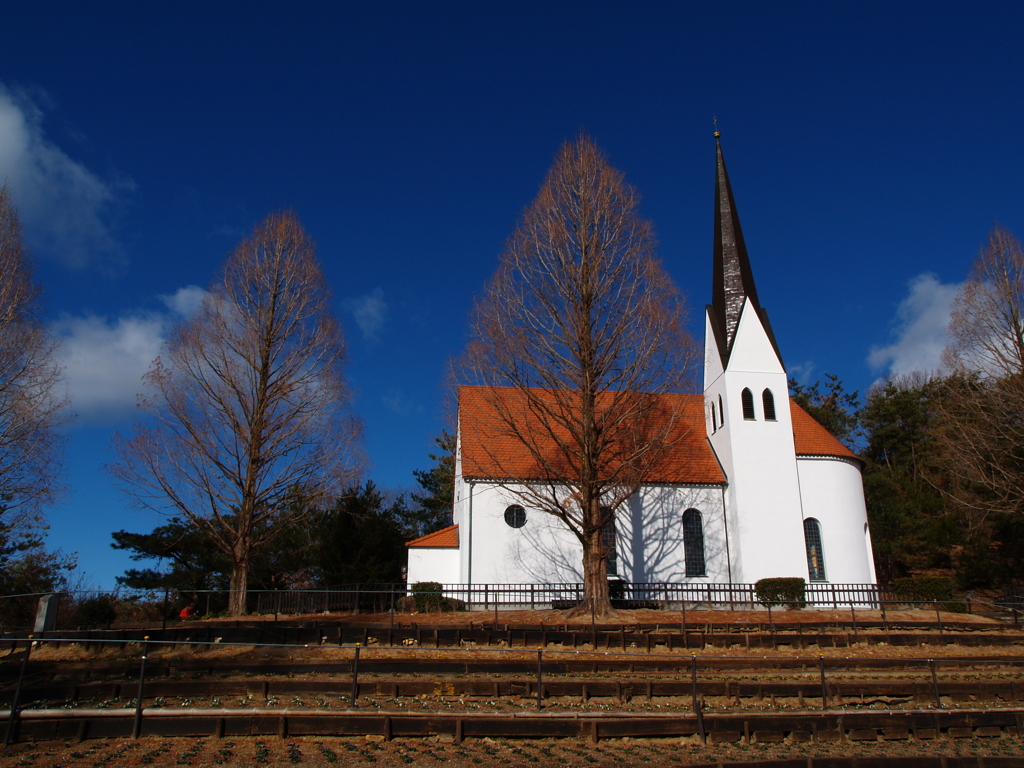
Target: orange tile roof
pixel 812 439
pixel 490 451
pixel 446 537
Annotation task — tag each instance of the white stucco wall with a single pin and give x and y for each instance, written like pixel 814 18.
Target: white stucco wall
pixel 833 493
pixel 433 564
pixel 649 537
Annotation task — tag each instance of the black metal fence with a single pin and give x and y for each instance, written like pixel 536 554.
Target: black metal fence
pixel 128 607
pixel 658 595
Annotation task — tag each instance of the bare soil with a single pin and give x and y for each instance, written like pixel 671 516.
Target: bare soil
pixel 347 752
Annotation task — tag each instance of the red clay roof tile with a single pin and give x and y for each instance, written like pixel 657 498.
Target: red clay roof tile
pixel 812 439
pixel 489 451
pixel 446 537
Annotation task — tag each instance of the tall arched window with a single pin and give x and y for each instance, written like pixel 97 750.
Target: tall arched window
pixel 815 550
pixel 611 551
pixel 714 419
pixel 693 543
pixel 721 412
pixel 768 401
pixel 748 405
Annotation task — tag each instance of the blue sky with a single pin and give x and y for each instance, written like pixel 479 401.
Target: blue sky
pixel 871 147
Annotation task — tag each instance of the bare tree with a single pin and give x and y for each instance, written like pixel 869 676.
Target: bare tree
pixel 982 403
pixel 248 417
pixel 32 399
pixel 575 341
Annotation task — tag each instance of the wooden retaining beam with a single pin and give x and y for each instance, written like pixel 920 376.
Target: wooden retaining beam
pixel 919 725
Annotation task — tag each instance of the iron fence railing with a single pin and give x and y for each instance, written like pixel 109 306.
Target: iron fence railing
pixel 144 607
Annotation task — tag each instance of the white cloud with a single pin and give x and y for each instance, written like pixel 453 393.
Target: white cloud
pixel 104 362
pixel 921 329
pixel 185 301
pixel 63 206
pixel 801 372
pixel 105 359
pixel 370 312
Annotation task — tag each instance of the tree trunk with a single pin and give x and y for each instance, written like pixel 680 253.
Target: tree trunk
pixel 239 582
pixel 595 575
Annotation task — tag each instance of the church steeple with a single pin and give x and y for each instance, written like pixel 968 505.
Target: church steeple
pixel 733 281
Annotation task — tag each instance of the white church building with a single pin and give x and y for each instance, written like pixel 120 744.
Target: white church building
pixel 762 490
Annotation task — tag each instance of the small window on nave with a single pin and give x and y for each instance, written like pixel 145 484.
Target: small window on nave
pixel 515 516
pixel 693 543
pixel 611 550
pixel 815 550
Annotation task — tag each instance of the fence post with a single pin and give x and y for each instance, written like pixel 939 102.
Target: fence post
pixel 12 718
pixel 137 727
pixel 533 595
pixel 824 688
pixel 696 701
pixel 935 683
pixel 163 624
pixel 685 639
pixel 938 617
pixel 355 678
pixel 540 679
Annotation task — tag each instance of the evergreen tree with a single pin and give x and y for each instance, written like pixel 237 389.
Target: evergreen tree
pixel 835 409
pixel 433 507
pixel 910 525
pixel 360 539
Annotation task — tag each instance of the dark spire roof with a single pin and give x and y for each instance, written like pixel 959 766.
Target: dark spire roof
pixel 733 279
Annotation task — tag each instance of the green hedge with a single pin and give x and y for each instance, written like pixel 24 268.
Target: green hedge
pixel 925 589
pixel 787 590
pixel 428 596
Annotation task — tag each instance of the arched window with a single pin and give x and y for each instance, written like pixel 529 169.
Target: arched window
pixel 721 412
pixel 515 516
pixel 815 550
pixel 768 401
pixel 748 405
pixel 714 420
pixel 611 552
pixel 693 543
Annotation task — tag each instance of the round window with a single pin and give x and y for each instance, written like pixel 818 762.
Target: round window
pixel 515 516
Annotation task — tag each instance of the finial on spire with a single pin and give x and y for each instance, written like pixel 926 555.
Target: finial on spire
pixel 717 134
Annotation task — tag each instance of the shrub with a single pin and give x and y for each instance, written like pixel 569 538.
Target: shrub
pixel 788 590
pixel 914 588
pixel 925 589
pixel 428 596
pixel 101 609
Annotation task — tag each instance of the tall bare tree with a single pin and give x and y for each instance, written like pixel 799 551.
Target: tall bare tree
pixel 32 400
pixel 248 423
pixel 982 405
pixel 575 341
